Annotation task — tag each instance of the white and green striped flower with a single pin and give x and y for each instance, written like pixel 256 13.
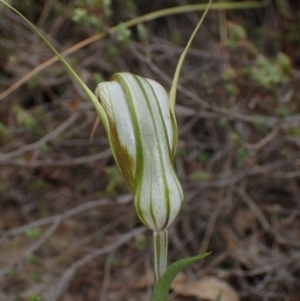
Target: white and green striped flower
pixel 143 138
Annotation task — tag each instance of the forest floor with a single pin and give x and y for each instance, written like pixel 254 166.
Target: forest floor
pixel 68 227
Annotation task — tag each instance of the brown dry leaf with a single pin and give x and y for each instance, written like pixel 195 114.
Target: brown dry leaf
pixel 207 288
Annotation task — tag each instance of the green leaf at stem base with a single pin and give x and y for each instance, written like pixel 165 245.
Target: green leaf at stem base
pixel 162 288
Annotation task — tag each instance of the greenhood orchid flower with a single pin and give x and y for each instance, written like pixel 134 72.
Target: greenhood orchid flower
pixel 143 138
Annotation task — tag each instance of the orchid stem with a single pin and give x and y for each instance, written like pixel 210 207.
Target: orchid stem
pixel 160 253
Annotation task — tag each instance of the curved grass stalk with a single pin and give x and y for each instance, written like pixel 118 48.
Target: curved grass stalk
pixel 145 18
pixel 172 94
pixel 84 87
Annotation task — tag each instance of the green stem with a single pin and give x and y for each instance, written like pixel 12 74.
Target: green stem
pixel 160 253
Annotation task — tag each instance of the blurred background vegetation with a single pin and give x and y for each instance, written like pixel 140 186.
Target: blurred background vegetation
pixel 67 224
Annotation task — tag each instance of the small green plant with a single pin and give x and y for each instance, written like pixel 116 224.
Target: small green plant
pixel 176 37
pixel 35 297
pixel 34 233
pixel 12 273
pixel 294 131
pixel 80 15
pixel 35 277
pixel 84 12
pixel 45 148
pixel 112 51
pixel 32 259
pixel 236 34
pixel 98 78
pixel 242 154
pixel 203 157
pixel 38 185
pixel 142 33
pixel 199 176
pixel 235 137
pixel 229 77
pixel 270 74
pixel 282 111
pixel 123 34
pixel 25 119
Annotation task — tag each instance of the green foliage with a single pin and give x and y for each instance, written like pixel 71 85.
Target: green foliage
pixel 80 15
pixel 123 34
pixel 112 52
pixel 223 122
pixel 229 76
pixel 294 131
pixel 231 89
pixel 142 33
pixel 199 175
pixel 242 153
pixel 235 137
pixel 161 290
pixel 283 62
pixel 35 297
pixel 282 111
pixel 25 119
pixel 35 277
pixel 176 37
pixel 12 273
pixel 32 259
pixel 88 12
pixel 38 185
pixel 44 148
pixel 98 78
pixel 203 157
pixel 258 125
pixel 236 34
pixel 34 233
pixel 269 74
